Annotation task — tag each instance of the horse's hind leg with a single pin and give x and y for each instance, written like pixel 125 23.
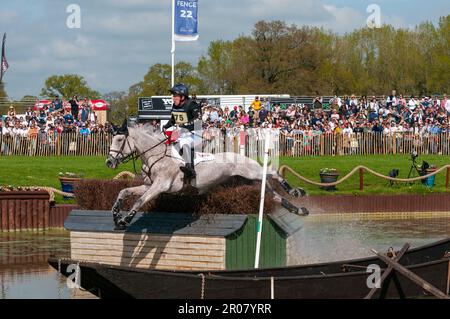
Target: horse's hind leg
pixel 137 191
pixel 283 201
pixel 295 192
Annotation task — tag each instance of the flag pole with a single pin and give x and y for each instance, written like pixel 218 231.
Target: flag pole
pixel 263 192
pixel 173 43
pixel 2 71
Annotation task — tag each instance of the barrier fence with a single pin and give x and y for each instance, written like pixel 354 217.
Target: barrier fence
pixel 249 142
pixel 64 144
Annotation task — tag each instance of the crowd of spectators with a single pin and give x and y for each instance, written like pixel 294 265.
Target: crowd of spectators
pixel 391 114
pixel 59 116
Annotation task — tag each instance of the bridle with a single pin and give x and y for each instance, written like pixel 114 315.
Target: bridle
pixel 135 155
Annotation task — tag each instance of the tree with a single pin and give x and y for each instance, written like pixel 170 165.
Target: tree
pixel 67 86
pixel 157 81
pixel 118 106
pixel 215 69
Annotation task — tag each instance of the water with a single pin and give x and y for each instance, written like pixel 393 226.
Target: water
pixel 24 272
pixel 322 240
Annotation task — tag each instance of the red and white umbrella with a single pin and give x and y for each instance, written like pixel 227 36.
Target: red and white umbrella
pixel 40 104
pixel 99 105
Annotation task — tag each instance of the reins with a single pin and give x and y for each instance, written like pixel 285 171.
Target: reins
pixel 134 156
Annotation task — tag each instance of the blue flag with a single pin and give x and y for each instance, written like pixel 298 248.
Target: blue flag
pixel 186 20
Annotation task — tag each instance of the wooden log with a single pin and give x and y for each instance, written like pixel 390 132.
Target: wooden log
pixel 412 276
pixel 388 271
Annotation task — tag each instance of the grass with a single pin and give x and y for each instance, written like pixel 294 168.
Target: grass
pixel 310 167
pixel 43 171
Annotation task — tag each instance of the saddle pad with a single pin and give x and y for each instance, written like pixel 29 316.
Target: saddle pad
pixel 199 157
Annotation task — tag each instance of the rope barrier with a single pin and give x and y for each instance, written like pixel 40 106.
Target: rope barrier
pixel 356 169
pixel 124 174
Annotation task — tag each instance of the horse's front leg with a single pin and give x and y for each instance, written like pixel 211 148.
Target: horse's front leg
pixel 137 191
pixel 153 192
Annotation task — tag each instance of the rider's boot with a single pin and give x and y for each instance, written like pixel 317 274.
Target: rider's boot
pixel 189 168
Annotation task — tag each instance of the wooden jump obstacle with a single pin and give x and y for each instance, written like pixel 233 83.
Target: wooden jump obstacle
pixel 179 241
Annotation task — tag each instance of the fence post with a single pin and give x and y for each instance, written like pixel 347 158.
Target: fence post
pixel 361 179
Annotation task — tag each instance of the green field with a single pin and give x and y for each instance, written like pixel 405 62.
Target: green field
pixel 310 167
pixel 43 171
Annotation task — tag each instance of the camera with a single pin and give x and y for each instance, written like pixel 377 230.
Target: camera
pixel 414 155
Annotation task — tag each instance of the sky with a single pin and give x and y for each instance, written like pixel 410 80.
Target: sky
pixel 120 39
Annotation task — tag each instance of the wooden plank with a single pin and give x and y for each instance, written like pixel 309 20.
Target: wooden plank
pixel 173 245
pixel 388 271
pixel 168 264
pixel 46 214
pixel 4 215
pixel 34 209
pixel 23 214
pixel 11 219
pixel 40 208
pixel 152 254
pixel 29 217
pixel 126 260
pixel 146 237
pixel 17 213
pixel 412 276
pixel 199 251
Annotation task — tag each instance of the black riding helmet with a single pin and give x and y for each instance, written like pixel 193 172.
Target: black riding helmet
pixel 180 89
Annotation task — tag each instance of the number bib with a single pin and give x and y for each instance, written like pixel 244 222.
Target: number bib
pixel 180 117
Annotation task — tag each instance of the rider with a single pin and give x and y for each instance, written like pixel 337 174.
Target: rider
pixel 184 112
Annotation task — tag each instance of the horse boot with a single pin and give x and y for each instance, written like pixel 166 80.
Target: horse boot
pixel 125 221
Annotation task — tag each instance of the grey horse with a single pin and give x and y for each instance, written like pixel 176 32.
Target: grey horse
pixel 162 174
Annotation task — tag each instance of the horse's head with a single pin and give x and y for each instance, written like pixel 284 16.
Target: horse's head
pixel 122 146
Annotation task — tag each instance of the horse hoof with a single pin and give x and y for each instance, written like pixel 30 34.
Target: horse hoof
pixel 117 217
pixel 305 211
pixel 297 192
pixel 121 225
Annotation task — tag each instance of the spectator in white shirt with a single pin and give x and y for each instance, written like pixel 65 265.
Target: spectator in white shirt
pixel 447 104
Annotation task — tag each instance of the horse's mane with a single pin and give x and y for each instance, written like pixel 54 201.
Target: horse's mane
pixel 148 130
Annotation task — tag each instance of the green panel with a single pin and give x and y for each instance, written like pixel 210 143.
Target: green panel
pixel 241 246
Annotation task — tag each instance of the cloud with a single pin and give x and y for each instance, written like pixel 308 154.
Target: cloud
pixel 7 17
pixel 344 18
pixel 120 39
